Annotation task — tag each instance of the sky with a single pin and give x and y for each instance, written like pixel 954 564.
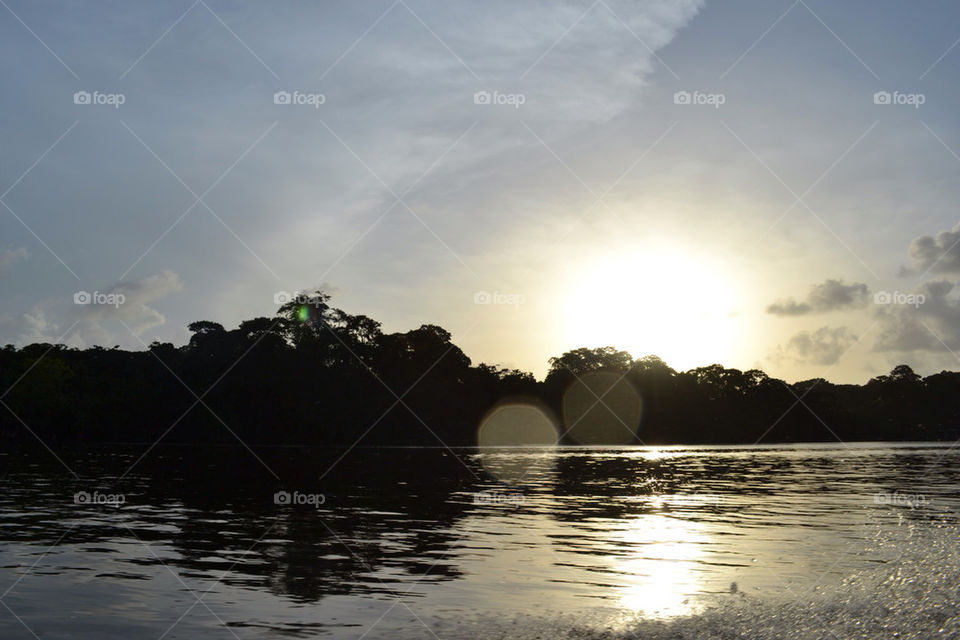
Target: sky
pixel 767 184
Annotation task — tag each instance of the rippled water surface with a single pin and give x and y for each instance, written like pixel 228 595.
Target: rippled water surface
pixel 784 541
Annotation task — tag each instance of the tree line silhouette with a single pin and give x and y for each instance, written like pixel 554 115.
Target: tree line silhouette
pixel 314 374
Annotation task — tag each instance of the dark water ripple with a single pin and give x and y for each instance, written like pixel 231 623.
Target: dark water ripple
pixel 405 539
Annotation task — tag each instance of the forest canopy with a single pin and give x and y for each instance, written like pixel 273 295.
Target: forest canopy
pixel 314 374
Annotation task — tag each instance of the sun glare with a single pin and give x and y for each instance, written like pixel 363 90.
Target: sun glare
pixel 660 572
pixel 661 303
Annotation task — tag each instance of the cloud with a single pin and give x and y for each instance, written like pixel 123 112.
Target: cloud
pixel 831 295
pixel 927 320
pixel 325 286
pixel 9 257
pixel 97 319
pixel 29 327
pixel 126 302
pixel 400 100
pixel 824 346
pixel 936 255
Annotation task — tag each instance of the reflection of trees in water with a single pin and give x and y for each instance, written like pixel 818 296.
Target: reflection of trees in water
pixel 614 486
pixel 398 510
pixel 388 515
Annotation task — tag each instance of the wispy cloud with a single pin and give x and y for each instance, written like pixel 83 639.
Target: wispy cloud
pixel 9 257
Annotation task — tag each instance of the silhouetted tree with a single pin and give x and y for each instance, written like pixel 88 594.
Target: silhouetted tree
pixel 315 374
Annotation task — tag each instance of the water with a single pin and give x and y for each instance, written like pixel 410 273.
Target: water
pixel 804 541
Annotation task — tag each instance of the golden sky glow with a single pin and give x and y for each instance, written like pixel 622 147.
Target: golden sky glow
pixel 660 302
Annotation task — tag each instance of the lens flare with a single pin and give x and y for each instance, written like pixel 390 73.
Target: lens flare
pixel 517 439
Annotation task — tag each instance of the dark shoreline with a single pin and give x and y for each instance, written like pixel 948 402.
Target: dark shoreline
pixel 314 375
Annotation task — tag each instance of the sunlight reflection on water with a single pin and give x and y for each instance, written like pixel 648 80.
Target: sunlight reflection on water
pixel 592 536
pixel 661 566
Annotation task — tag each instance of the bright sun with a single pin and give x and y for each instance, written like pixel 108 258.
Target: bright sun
pixel 662 303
